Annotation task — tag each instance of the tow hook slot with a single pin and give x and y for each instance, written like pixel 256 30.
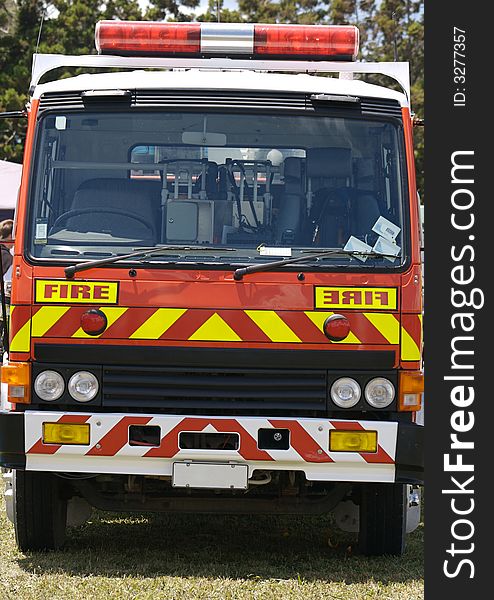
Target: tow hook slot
pixel 198 440
pixel 273 439
pixel 144 435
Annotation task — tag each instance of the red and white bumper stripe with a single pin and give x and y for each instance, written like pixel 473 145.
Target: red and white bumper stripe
pixel 109 450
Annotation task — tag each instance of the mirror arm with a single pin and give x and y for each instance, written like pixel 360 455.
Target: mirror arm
pixel 14 114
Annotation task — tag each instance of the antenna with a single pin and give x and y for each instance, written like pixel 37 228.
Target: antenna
pixel 218 10
pixel 395 46
pixel 43 14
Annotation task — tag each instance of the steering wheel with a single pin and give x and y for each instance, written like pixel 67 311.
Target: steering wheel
pixel 97 209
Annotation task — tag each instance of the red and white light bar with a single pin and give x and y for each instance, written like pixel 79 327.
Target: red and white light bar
pixel 148 38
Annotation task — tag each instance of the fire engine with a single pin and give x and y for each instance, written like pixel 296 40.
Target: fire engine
pixel 216 298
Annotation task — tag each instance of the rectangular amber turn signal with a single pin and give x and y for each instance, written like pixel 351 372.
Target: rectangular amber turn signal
pixel 352 441
pixel 411 390
pixel 66 433
pixel 18 373
pixel 18 377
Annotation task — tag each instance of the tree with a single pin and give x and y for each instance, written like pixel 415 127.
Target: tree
pixel 7 16
pixel 16 48
pixel 341 12
pixel 67 28
pixel 169 10
pixel 72 31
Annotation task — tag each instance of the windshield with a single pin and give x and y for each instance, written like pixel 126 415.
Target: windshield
pixel 242 188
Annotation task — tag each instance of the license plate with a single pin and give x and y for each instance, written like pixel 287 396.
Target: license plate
pixel 210 475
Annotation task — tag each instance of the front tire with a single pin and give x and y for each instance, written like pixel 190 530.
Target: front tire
pixel 383 509
pixel 40 511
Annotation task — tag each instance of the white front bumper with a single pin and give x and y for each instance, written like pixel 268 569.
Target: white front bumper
pixel 109 450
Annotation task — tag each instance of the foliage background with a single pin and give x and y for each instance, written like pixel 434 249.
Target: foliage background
pixel 389 29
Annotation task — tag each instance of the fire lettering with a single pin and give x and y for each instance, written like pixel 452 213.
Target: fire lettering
pixel 355 298
pixel 81 291
pixel 331 296
pixel 50 289
pixel 101 292
pixel 71 292
pixel 382 297
pixel 351 297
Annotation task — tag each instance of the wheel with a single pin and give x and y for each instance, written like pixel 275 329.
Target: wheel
pixel 383 508
pixel 40 511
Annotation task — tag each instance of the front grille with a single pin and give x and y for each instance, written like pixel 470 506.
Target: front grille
pixel 224 99
pixel 213 381
pixel 208 389
pixel 238 101
pixel 380 106
pixel 61 101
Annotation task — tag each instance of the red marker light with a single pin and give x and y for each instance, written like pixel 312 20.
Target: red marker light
pixel 336 328
pixel 93 322
pixel 147 37
pixel 337 42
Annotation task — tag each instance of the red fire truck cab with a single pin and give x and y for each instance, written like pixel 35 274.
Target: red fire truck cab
pixel 216 297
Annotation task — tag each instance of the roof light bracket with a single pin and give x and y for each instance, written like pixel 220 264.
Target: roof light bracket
pixel 44 63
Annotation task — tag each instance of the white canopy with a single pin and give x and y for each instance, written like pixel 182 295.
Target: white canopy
pixel 10 180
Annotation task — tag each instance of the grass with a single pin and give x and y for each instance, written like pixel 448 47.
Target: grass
pixel 182 557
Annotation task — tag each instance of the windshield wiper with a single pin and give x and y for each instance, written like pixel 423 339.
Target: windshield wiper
pixel 144 252
pixel 239 273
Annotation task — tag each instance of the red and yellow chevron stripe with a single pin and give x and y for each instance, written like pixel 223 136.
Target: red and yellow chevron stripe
pixel 204 325
pixel 411 337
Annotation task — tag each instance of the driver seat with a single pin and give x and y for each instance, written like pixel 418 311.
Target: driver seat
pixel 133 208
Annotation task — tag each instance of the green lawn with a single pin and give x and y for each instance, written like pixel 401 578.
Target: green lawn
pixel 208 557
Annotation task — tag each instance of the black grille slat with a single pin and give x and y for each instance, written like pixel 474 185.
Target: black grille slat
pixel 58 100
pixel 177 392
pixel 224 100
pixel 200 100
pixel 171 99
pixel 382 106
pixel 167 387
pixel 212 382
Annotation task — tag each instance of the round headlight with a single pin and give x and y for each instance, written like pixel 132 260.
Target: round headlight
pixel 49 385
pixel 379 392
pixel 345 392
pixel 83 386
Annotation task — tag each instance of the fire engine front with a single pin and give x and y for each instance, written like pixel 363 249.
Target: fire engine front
pixel 217 297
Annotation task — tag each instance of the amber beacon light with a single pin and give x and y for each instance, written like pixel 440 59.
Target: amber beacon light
pixel 148 38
